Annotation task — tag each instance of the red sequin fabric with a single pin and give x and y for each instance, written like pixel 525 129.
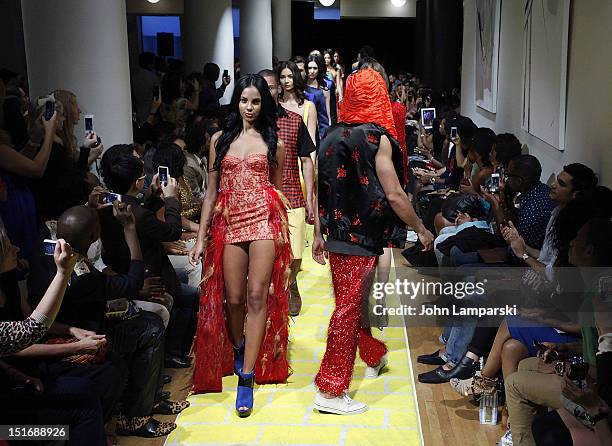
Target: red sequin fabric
pixel 248 208
pixel 352 278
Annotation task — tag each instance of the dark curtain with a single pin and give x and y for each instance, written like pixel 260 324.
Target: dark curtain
pixel 393 40
pixel 440 43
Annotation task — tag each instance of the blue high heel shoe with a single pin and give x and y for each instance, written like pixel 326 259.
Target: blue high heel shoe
pixel 238 357
pixel 244 394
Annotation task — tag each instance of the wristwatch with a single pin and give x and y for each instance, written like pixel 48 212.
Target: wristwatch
pixel 594 419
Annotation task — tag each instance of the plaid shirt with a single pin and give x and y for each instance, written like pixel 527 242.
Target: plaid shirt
pixel 293 133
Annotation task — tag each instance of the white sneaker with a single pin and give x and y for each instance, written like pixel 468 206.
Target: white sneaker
pixel 506 440
pixel 373 372
pixel 342 405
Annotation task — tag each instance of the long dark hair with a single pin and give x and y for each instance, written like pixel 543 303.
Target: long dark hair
pixel 298 80
pixel 265 123
pixel 322 70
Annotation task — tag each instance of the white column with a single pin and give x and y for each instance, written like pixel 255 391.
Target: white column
pixel 81 46
pixel 281 29
pixel 209 37
pixel 255 35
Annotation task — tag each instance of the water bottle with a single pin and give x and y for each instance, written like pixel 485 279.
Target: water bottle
pixel 488 407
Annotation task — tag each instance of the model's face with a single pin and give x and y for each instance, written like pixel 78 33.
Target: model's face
pixel 562 190
pixel 273 86
pixel 336 58
pixel 286 79
pixel 313 70
pixel 302 69
pixel 250 104
pixel 328 59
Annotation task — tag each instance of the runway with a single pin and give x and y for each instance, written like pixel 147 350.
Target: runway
pixel 283 414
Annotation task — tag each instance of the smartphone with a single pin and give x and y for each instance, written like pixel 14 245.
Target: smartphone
pixel 605 289
pixel 110 198
pixel 162 174
pixel 49 247
pixel 89 124
pixel 225 73
pixel 49 109
pixel 453 134
pixel 427 117
pixel 494 187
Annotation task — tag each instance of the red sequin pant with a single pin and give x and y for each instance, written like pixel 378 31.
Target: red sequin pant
pixel 352 278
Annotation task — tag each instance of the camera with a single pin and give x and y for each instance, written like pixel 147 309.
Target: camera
pixel 49 247
pixel 575 368
pixel 453 132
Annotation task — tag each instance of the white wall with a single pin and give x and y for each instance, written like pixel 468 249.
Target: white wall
pixel 376 8
pixel 589 86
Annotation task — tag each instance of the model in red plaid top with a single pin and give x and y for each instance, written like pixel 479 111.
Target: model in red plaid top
pixel 298 144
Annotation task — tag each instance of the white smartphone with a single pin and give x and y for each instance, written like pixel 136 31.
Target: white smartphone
pixel 49 247
pixel 110 198
pixel 453 134
pixel 89 124
pixel 494 183
pixel 427 117
pixel 162 174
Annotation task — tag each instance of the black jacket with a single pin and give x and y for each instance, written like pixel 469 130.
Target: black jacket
pixel 352 203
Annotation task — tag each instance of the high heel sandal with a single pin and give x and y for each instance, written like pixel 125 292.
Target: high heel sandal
pixel 238 357
pixel 244 394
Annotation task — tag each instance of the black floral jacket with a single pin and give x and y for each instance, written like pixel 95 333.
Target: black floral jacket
pixel 352 203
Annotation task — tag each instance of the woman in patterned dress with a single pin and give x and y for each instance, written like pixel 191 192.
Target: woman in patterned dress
pixel 244 233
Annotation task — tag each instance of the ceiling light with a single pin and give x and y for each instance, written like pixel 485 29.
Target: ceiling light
pixel 327 2
pixel 398 3
pixel 153 1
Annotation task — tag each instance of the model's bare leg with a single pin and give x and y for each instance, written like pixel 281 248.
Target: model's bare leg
pixel 235 265
pixel 261 262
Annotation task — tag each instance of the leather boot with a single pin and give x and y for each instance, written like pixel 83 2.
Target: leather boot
pixel 295 300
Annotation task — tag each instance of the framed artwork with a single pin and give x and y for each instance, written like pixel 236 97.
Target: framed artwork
pixel 545 47
pixel 488 20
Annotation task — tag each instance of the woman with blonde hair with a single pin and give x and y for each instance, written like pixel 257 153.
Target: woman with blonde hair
pixel 91 149
pixel 64 183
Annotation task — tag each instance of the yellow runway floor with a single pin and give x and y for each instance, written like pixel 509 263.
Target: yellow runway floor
pixel 283 414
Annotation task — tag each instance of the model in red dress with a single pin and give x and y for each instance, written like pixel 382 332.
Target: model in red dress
pixel 244 233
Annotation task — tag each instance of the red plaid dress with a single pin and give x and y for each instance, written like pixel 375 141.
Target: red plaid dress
pixel 288 129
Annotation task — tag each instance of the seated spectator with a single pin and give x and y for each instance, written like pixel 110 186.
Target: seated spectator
pixel 15 336
pixel 175 107
pixel 173 157
pixel 535 382
pixel 506 147
pixel 126 177
pixel 195 171
pixel 91 149
pixel 136 337
pixel 479 154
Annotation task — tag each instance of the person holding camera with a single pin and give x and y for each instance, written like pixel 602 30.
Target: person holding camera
pixel 536 383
